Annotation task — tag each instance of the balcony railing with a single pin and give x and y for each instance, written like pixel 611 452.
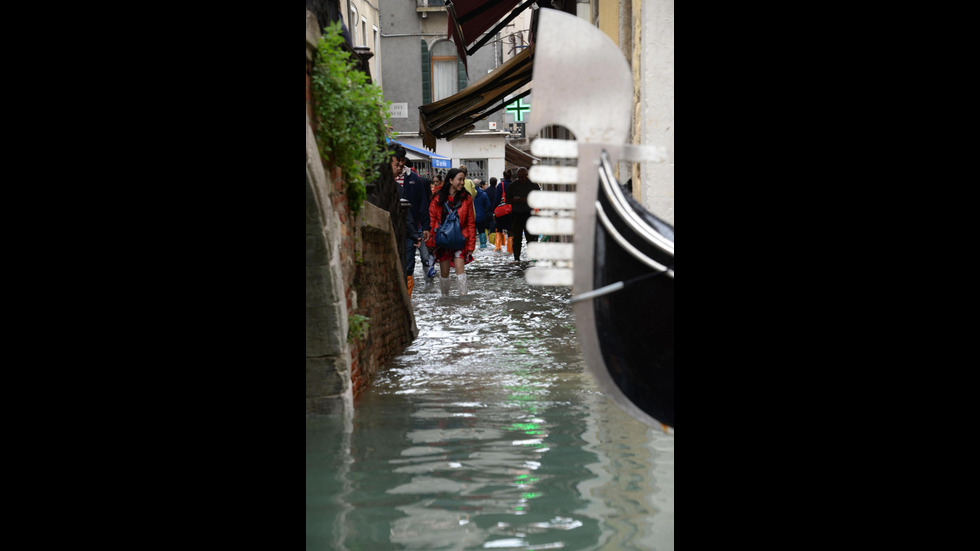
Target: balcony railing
pixel 430 3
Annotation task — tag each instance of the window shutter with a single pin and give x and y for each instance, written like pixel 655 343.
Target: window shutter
pixel 426 75
pixel 462 76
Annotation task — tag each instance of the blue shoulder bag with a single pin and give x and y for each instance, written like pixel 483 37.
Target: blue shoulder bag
pixel 449 235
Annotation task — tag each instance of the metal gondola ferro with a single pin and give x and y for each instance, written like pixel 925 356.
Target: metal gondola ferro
pixel 621 263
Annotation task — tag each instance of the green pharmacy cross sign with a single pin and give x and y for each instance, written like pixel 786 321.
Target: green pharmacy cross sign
pixel 518 108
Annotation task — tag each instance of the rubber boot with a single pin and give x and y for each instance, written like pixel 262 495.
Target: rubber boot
pixel 444 285
pixel 499 242
pixel 510 244
pixel 483 241
pixel 411 283
pixel 461 278
pixel 492 237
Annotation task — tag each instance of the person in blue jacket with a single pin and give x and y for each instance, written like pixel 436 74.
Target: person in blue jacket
pixel 416 192
pixel 481 204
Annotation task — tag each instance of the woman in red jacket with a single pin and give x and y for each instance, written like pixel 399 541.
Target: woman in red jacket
pixel 459 199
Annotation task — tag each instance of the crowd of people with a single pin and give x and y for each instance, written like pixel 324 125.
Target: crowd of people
pixel 473 201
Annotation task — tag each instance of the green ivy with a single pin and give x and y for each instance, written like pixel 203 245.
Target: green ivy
pixel 356 326
pixel 352 116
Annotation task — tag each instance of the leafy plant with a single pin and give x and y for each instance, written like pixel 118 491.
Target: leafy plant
pixel 352 116
pixel 356 326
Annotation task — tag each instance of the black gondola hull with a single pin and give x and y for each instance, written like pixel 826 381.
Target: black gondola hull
pixel 635 326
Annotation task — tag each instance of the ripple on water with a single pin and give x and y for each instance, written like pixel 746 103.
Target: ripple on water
pixel 488 433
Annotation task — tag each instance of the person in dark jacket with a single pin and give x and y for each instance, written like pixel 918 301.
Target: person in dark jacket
pixel 482 208
pixel 502 222
pixel 413 190
pixel 491 222
pixel 517 196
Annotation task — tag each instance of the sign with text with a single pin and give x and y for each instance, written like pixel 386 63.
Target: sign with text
pixel 399 110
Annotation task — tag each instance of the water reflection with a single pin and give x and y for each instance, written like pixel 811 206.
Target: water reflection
pixel 487 433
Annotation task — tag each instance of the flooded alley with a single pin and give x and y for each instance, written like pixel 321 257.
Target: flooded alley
pixel 488 432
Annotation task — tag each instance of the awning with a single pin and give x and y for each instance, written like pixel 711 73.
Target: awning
pixel 515 157
pixel 451 117
pixel 438 161
pixel 468 19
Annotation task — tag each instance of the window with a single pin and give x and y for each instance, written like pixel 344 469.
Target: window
pixel 423 167
pixel 377 56
pixel 352 25
pixel 445 70
pixel 364 34
pixel 475 168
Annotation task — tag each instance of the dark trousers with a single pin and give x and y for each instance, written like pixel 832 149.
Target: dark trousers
pixel 410 249
pixel 502 223
pixel 517 224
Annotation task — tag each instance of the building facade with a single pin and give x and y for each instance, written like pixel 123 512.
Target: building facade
pixel 644 31
pixel 420 65
pixel 416 63
pixel 362 20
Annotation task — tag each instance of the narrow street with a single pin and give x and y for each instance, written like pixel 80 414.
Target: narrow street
pixel 489 432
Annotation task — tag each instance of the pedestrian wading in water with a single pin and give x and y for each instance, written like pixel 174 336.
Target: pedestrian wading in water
pixel 453 196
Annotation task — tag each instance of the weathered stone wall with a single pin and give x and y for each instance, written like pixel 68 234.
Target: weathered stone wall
pixel 352 267
pixel 328 388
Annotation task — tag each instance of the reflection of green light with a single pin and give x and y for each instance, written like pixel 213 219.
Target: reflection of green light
pixel 526 479
pixel 523 426
pixel 528 397
pixel 528 428
pixel 530 495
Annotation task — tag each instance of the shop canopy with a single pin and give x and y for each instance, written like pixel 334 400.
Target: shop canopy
pixel 468 19
pixel 438 161
pixel 451 117
pixel 514 157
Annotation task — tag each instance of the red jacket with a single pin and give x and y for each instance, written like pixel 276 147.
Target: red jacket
pixel 467 222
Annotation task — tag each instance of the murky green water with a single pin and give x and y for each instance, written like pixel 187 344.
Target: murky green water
pixel 489 433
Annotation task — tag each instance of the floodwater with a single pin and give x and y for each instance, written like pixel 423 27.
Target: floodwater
pixel 488 432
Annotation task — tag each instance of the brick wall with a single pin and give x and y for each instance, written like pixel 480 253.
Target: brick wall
pixel 382 296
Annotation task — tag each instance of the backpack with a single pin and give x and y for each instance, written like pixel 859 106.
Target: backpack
pixel 449 235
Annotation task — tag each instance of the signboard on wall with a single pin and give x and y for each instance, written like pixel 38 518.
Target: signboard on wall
pixel 519 109
pixel 399 110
